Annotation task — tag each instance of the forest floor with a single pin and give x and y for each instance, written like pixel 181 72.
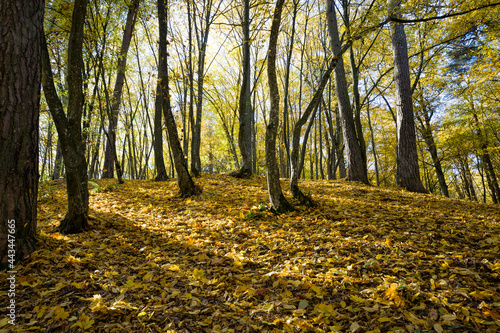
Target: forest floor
pixel 366 259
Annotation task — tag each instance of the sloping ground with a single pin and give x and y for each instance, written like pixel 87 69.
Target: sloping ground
pixel 365 259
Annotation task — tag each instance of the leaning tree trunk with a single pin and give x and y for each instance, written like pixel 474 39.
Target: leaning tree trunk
pixel 355 166
pixel 245 106
pixel 408 172
pixel 20 77
pixel 426 128
pixel 110 157
pixel 278 201
pixel 294 156
pixel 186 185
pixel 69 128
pixel 490 170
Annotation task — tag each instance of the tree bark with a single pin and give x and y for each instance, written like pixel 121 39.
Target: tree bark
pixel 186 185
pixel 355 167
pixel 58 162
pixel 408 173
pixel 202 40
pixel 109 157
pixel 278 201
pixel 69 128
pixel 245 104
pixel 426 130
pixel 20 77
pixel 161 171
pixel 294 156
pixel 490 170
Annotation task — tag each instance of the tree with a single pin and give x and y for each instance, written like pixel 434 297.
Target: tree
pixel 186 184
pixel 424 117
pixel 278 201
pixel 294 156
pixel 161 172
pixel 20 79
pixel 69 127
pixel 356 170
pixel 245 103
pixel 110 158
pixel 206 17
pixel 408 173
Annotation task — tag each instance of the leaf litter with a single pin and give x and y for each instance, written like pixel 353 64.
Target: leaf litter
pixel 365 259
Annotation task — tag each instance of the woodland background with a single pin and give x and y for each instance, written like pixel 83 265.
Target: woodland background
pixel 453 63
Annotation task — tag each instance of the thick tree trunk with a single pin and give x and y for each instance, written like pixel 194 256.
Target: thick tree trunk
pixel 109 157
pixel 20 77
pixel 278 201
pixel 355 167
pixel 186 185
pixel 245 106
pixel 69 128
pixel 408 173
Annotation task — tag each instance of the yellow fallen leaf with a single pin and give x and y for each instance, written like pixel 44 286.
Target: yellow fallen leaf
pixel 148 276
pixel 354 327
pixel 60 313
pixel 384 319
pixel 438 328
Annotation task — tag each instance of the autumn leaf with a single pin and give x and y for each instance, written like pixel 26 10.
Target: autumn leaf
pixel 84 322
pixel 60 313
pixel 199 263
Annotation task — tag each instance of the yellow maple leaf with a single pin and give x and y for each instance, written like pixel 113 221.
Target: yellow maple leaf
pixel 84 322
pixel 392 294
pixel 60 313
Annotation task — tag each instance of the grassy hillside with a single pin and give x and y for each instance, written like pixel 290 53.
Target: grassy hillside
pixel 364 260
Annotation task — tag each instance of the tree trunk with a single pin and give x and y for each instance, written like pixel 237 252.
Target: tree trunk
pixel 294 156
pixel 286 120
pixel 109 157
pixel 355 88
pixel 408 173
pixel 69 128
pixel 425 125
pixel 490 170
pixel 355 166
pixel 58 162
pixel 374 147
pixel 161 172
pixel 20 77
pixel 245 106
pixel 278 201
pixel 186 184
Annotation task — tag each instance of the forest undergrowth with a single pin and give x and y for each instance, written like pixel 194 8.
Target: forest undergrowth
pixel 365 259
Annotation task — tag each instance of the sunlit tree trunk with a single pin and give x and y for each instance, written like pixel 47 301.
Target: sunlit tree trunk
pixel 21 24
pixel 408 173
pixel 488 165
pixel 186 184
pixel 161 172
pixel 110 158
pixel 294 156
pixel 355 88
pixel 355 166
pixel 69 127
pixel 426 129
pixel 278 201
pixel 245 106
